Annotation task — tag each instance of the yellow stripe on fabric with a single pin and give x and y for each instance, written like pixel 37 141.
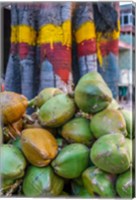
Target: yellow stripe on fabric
pixel 23 33
pixel 99 54
pixel 85 32
pixel 114 35
pixel 51 33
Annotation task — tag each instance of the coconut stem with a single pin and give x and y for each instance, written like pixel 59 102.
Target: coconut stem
pixel 28 118
pixel 15 129
pixel 6 131
pixel 13 188
pixel 31 103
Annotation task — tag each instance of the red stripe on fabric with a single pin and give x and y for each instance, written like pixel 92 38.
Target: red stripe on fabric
pixel 60 58
pixel 87 47
pixel 109 46
pixel 22 49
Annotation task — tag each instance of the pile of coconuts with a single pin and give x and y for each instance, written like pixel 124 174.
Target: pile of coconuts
pixel 72 145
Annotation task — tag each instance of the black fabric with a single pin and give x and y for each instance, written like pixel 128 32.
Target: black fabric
pixel 105 17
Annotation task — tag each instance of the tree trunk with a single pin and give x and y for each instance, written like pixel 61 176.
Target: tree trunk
pixel 54 41
pixel 109 50
pixel 85 37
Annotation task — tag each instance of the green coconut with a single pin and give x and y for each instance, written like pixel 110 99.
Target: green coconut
pixel 110 153
pixel 98 182
pixel 13 162
pixel 6 184
pixel 78 131
pixel 57 111
pixel 44 96
pixel 128 116
pixel 129 147
pixel 79 190
pixel 92 93
pixel 42 182
pixel 124 185
pixel 108 121
pixel 71 161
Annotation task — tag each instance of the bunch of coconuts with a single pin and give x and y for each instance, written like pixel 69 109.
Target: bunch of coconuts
pixel 72 145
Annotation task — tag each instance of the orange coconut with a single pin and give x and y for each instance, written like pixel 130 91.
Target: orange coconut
pixel 39 146
pixel 13 106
